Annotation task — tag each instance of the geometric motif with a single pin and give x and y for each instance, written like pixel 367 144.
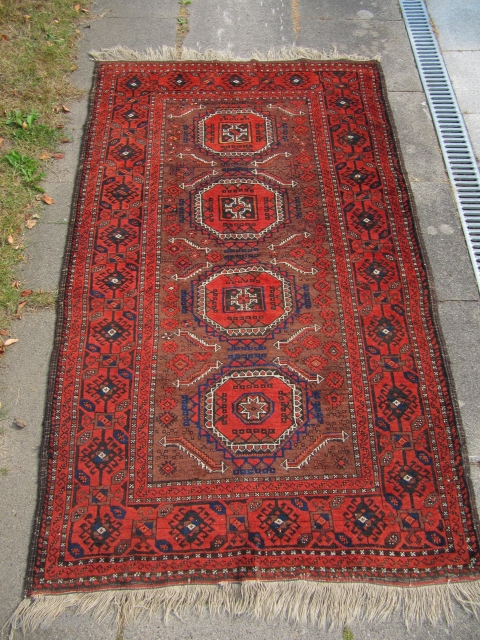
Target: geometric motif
pixel 253 410
pixel 235 132
pixel 244 301
pixel 239 209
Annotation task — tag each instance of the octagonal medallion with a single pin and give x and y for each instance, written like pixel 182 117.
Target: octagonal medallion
pixel 239 210
pixel 243 302
pixel 253 410
pixel 235 132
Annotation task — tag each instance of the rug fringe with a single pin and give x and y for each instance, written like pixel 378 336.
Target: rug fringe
pixel 327 605
pixel 165 53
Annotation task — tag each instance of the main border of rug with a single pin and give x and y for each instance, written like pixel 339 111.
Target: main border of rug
pixel 434 600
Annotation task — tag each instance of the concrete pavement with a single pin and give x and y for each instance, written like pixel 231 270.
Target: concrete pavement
pixel 365 27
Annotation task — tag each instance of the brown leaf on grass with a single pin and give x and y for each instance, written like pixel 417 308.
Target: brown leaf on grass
pixel 76 7
pixel 10 341
pixel 60 126
pixel 45 155
pixel 20 424
pixel 30 224
pixel 21 306
pixel 73 67
pixel 1 141
pixel 15 284
pixel 65 109
pixel 26 292
pixel 4 37
pixel 85 10
pixel 26 17
pixel 58 156
pixel 65 140
pixel 24 125
pixel 4 332
pixel 10 239
pixel 47 199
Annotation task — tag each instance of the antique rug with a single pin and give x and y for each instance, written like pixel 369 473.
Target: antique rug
pixel 249 407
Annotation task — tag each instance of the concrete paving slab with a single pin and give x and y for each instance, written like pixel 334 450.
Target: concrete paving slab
pixel 445 243
pixel 47 240
pixel 472 120
pixel 369 38
pixel 23 375
pixel 137 9
pixel 457 24
pixel 131 33
pixel 463 69
pixel 218 25
pixel 418 141
pixel 350 9
pixel 460 322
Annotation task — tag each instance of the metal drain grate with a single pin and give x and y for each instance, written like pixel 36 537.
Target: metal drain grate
pixel 452 134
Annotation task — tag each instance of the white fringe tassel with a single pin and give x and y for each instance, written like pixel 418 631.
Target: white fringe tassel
pixel 171 53
pixel 328 605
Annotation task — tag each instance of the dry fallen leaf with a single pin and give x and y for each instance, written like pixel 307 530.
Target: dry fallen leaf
pixel 65 109
pixel 10 341
pixel 60 126
pixel 3 332
pixel 47 199
pixel 58 156
pixel 1 141
pixel 36 216
pixel 45 156
pixel 65 140
pixel 24 125
pixel 20 307
pixel 4 37
pixel 49 44
pixel 16 284
pixel 30 224
pixel 20 424
pixel 73 67
pixel 76 7
pixel 10 239
pixel 85 10
pixel 26 17
pixel 26 292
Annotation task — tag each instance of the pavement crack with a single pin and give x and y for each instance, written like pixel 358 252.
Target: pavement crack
pixel 296 18
pixel 182 25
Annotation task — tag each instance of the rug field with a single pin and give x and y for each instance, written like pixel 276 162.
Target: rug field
pixel 249 407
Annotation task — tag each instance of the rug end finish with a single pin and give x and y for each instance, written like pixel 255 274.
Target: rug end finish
pixel 165 53
pixel 326 605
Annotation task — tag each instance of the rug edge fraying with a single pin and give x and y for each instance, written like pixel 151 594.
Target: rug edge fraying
pixel 327 605
pixel 165 53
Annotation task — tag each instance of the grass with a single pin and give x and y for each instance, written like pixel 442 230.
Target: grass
pixel 37 55
pixel 39 300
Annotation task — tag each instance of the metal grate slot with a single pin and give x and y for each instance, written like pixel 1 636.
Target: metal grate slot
pixel 451 131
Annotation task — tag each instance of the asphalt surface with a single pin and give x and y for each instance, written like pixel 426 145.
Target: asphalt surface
pixel 365 27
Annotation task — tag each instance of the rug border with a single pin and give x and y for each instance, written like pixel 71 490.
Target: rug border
pixel 431 297
pixel 55 354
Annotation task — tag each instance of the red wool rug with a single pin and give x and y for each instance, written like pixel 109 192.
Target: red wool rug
pixel 249 407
